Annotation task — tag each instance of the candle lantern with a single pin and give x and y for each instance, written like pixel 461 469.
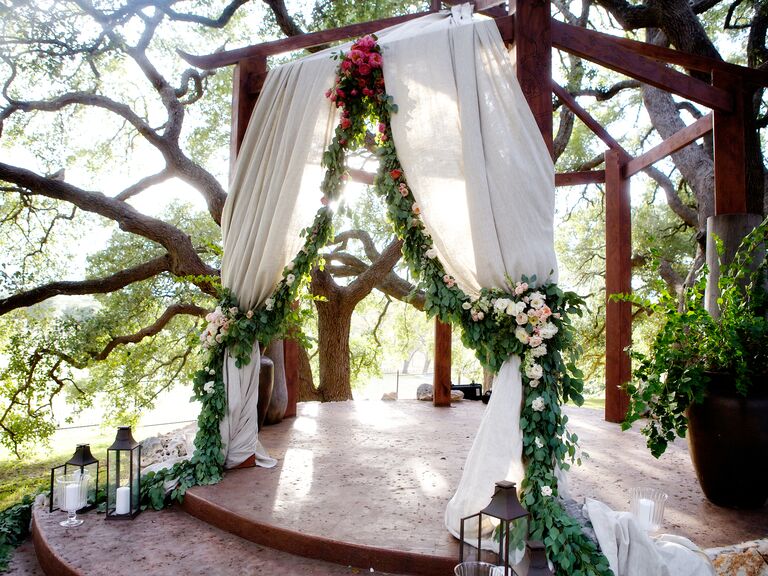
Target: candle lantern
pixel 86 467
pixel 123 476
pixel 504 507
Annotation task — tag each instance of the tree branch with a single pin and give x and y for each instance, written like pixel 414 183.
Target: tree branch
pixel 184 258
pixel 284 20
pixel 365 282
pixel 687 214
pixel 223 19
pixel 170 312
pixel 95 286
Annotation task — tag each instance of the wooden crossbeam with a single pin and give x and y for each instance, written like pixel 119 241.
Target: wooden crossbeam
pixel 580 178
pixel 678 140
pixel 587 118
pixel 602 49
pixel 309 40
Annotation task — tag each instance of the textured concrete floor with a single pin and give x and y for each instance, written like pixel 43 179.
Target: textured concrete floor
pixel 379 473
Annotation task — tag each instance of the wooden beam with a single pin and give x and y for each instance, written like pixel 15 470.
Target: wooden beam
pixel 683 59
pixel 602 49
pixel 247 82
pixel 618 279
pixel 730 144
pixel 580 178
pixel 533 53
pixel 291 361
pixel 229 57
pixel 678 140
pixel 441 381
pixel 587 118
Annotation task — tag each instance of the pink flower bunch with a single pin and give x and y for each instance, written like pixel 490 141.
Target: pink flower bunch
pixel 450 282
pixel 359 76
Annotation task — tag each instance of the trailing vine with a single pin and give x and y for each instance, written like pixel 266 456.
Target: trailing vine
pixel 530 318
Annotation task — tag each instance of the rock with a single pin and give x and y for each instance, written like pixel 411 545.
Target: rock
pixel 176 447
pixel 747 563
pixel 389 396
pixel 457 395
pixel 425 392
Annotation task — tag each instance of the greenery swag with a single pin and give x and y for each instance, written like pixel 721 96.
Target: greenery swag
pixel 530 319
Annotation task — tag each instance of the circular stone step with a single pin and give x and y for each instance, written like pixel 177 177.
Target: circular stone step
pixel 167 543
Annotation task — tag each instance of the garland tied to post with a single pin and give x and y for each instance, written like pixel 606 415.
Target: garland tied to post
pixel 530 319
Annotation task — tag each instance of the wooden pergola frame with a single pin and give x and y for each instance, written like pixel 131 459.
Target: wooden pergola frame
pixel 534 33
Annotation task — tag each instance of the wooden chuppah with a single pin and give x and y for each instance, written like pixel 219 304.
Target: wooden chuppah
pixel 532 31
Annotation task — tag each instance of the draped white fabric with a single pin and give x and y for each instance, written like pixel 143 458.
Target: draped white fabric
pixel 483 177
pixel 477 166
pixel 277 180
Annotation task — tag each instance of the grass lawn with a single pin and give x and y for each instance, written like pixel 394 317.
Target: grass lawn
pixel 33 472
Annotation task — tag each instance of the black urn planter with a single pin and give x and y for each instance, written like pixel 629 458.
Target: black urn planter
pixel 728 441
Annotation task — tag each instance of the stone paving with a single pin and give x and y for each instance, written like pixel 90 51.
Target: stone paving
pixel 412 454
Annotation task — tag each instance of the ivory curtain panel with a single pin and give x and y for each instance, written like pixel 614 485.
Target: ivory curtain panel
pixel 477 166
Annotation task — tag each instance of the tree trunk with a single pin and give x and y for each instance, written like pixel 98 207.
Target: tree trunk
pixel 307 390
pixel 334 321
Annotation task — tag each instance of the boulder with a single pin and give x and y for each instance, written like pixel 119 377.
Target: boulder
pixel 746 563
pixel 457 395
pixel 389 396
pixel 426 392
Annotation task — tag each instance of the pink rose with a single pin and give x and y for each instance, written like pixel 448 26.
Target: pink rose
pixel 365 43
pixel 367 92
pixel 340 93
pixel 374 59
pixel 363 69
pixel 534 341
pixel 382 127
pixel 346 65
pixel 416 209
pixel 395 174
pixel 403 189
pixel 356 56
pixel 324 201
pixel 345 123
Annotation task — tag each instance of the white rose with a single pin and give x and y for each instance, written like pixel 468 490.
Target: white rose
pixel 249 314
pixel 431 253
pixel 535 341
pixel 290 279
pixel 539 351
pixel 533 383
pixel 501 303
pixel 534 371
pixel 269 303
pixel 537 300
pixel 519 308
pixel 289 266
pixel 538 442
pixel 466 305
pixel 522 319
pixel 480 315
pixel 212 372
pixel 511 309
pixel 208 386
pixel 234 310
pixel 546 491
pixel 538 404
pixel 548 330
pixel 521 334
pixel 219 338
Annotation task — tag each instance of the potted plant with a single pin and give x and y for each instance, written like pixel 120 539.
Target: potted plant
pixel 707 375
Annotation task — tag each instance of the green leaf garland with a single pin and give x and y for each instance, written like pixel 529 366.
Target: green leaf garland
pixel 529 319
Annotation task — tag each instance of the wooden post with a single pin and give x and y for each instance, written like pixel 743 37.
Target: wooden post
pixel 247 80
pixel 730 147
pixel 441 382
pixel 533 52
pixel 618 279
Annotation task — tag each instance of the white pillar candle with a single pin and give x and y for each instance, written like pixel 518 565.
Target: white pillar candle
pixel 645 508
pixel 72 497
pixel 123 500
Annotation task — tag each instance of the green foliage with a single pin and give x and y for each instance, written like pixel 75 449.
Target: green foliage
pixel 691 344
pixel 14 528
pixel 527 319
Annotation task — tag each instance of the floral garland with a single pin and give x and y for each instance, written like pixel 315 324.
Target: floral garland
pixel 530 320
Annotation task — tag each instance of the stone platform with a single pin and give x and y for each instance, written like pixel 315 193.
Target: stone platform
pixel 364 485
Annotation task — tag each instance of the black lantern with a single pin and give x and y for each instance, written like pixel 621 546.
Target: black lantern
pixel 84 464
pixel 506 508
pixel 123 476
